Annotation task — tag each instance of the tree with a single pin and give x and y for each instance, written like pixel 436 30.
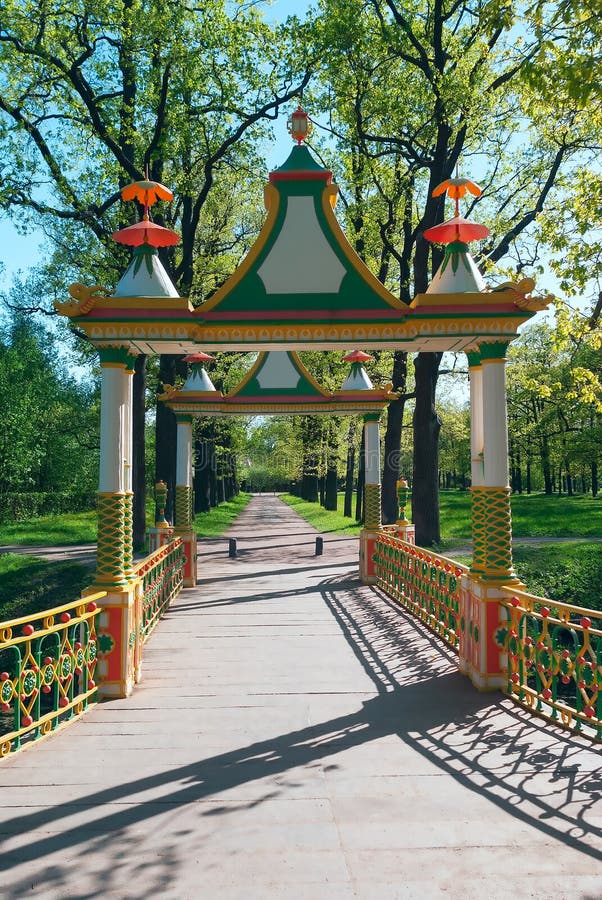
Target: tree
pixel 411 92
pixel 49 435
pixel 94 93
pixel 555 404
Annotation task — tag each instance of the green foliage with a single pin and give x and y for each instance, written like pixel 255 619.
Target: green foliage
pixel 49 435
pixel 91 94
pixel 17 507
pixel 29 585
pixel 555 398
pixel 214 523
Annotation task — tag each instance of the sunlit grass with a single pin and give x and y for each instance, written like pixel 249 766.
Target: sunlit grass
pixel 52 531
pixel 212 524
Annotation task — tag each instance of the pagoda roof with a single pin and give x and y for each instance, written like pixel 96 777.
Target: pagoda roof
pixel 301 285
pixel 277 383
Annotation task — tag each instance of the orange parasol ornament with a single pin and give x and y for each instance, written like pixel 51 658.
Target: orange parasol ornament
pixel 458 228
pixel 146 192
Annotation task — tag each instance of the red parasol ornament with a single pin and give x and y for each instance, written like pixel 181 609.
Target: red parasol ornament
pixel 357 356
pixel 199 357
pixel 146 232
pixel 456 229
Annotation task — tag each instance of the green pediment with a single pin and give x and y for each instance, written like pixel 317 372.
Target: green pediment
pixel 301 261
pixel 278 374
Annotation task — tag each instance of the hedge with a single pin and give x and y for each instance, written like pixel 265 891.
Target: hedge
pixel 14 507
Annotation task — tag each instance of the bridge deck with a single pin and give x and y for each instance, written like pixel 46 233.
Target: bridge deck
pixel 297 736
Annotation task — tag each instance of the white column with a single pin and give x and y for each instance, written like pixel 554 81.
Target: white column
pixel 372 452
pixel 128 456
pixel 495 423
pixel 113 440
pixel 184 454
pixel 476 423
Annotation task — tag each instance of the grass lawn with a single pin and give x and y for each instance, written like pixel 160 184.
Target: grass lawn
pixel 212 524
pixel 533 515
pixel 569 572
pixel 63 528
pixel 29 585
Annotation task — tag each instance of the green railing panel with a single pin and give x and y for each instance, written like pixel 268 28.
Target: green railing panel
pixel 47 666
pixel 554 659
pixel 425 583
pixel 162 578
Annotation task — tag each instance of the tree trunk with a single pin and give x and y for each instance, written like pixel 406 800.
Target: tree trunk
pixel 165 438
pixel 202 478
pixel 138 456
pixel 594 471
pixel 545 465
pixel 569 478
pixel 427 424
pixel 347 510
pixel 212 474
pixel 331 488
pixel 392 461
pixel 529 472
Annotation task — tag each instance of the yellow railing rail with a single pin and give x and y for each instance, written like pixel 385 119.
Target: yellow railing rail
pixel 47 666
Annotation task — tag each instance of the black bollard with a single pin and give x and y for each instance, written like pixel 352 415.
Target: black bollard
pixel 232 548
pixel 319 546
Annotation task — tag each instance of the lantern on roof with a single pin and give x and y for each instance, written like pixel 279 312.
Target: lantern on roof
pixel 299 125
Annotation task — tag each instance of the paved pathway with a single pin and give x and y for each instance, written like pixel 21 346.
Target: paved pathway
pixel 297 736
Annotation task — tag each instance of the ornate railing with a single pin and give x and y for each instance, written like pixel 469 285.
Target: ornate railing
pixel 47 665
pixel 426 584
pixel 162 576
pixel 554 659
